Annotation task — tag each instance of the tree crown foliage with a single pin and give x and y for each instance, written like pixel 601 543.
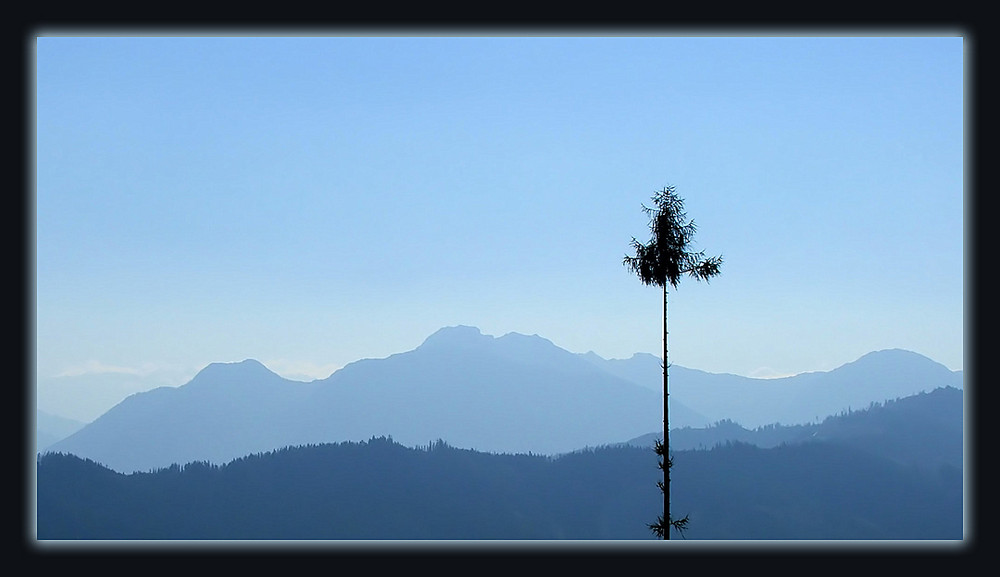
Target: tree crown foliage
pixel 666 257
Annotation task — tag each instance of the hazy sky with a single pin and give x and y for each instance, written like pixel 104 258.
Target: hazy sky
pixel 310 201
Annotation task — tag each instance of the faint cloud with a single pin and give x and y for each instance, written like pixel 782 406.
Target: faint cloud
pixel 164 375
pixel 768 373
pixel 87 390
pixel 97 367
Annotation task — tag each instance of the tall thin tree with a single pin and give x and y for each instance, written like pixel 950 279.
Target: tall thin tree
pixel 662 261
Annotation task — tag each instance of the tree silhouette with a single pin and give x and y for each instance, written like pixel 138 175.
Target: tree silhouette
pixel 662 261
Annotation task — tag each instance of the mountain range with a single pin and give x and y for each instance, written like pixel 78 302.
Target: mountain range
pixel 891 471
pixel 803 398
pixel 509 394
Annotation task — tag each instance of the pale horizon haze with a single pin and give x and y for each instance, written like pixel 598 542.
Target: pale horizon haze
pixel 308 201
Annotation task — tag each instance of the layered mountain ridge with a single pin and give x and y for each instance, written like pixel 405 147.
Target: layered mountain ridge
pixel 510 394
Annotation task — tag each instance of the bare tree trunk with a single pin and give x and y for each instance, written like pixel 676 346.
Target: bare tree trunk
pixel 666 428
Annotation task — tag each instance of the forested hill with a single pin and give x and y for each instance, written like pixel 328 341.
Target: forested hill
pixel 924 430
pixel 382 490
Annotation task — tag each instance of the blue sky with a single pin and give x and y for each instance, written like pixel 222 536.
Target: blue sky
pixel 310 201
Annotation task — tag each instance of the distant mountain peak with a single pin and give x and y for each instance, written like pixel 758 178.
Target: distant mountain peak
pixel 459 335
pixel 245 364
pixel 247 368
pixel 891 359
pixel 513 337
pixel 893 353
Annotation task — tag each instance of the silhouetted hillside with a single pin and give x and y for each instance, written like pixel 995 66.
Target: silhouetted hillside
pixel 924 430
pixel 382 490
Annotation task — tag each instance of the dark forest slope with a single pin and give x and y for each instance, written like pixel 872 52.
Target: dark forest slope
pixel 382 490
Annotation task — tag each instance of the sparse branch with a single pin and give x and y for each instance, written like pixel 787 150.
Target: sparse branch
pixel 660 528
